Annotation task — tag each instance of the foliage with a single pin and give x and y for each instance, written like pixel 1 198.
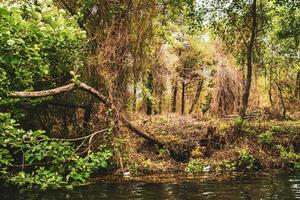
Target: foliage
pixel 197 152
pixel 238 122
pixel 226 165
pixel 265 138
pixel 246 159
pixel 297 166
pixel 195 166
pixel 229 166
pixel 39 45
pixel 277 129
pixel 157 47
pixel 31 158
pixel 162 152
pixel 289 157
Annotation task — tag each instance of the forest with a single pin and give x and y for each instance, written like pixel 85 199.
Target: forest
pixel 97 88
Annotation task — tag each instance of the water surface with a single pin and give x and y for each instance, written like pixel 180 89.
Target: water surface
pixel 271 186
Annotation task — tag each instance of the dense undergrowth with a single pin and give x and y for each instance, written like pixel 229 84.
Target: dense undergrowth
pixel 31 159
pixel 34 160
pixel 222 145
pixel 40 45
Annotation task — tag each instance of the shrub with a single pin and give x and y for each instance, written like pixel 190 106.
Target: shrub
pixel 229 165
pixel 277 129
pixel 265 138
pixel 195 166
pixel 38 43
pixel 238 122
pixel 246 159
pixel 32 159
pixel 289 157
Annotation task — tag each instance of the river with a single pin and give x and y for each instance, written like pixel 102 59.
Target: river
pixel 252 186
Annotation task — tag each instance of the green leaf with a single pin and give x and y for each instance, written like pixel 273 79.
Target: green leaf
pixel 10 42
pixel 4 12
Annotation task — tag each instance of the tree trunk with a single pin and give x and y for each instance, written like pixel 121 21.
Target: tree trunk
pixel 149 85
pixel 174 97
pixel 270 95
pixel 281 100
pixel 161 95
pixel 250 51
pixel 298 85
pixel 134 98
pixel 270 92
pixel 183 98
pixel 87 116
pixel 197 95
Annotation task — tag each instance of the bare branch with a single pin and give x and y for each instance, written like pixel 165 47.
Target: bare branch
pixel 44 93
pixel 72 86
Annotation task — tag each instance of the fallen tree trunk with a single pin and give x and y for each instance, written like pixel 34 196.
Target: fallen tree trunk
pixel 72 86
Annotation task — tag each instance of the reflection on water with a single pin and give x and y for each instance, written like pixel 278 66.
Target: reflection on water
pixel 279 186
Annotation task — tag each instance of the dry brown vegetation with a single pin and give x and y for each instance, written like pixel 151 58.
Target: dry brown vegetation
pixel 213 141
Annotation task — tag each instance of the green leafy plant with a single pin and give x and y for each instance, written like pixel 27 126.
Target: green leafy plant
pixel 162 152
pixel 226 165
pixel 229 165
pixel 265 138
pixel 32 159
pixel 246 159
pixel 277 129
pixel 289 157
pixel 38 43
pixel 297 165
pixel 195 166
pixel 238 122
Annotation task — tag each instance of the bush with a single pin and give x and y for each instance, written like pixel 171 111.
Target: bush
pixel 246 159
pixel 238 122
pixel 227 165
pixel 195 166
pixel 289 157
pixel 32 159
pixel 265 138
pixel 277 129
pixel 38 43
pixel 39 46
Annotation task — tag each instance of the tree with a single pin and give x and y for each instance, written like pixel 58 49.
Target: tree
pixel 279 54
pixel 241 25
pixel 39 46
pixel 250 49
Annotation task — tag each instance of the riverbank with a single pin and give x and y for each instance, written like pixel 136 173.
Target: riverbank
pixel 194 145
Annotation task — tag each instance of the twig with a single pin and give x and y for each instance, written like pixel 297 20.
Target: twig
pixel 74 139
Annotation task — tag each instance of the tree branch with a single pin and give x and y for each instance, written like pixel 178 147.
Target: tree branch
pixel 72 86
pixel 44 93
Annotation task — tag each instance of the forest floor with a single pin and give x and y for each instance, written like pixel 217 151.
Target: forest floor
pixel 193 144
